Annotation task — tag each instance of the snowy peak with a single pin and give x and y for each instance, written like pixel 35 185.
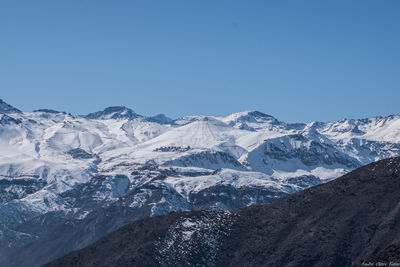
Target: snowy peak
pixel 258 114
pixel 7 108
pixel 245 118
pixel 383 129
pixel 160 118
pixel 250 116
pixel 65 167
pixel 51 111
pixel 115 112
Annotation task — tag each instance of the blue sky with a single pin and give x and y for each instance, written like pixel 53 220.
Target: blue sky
pixel 296 60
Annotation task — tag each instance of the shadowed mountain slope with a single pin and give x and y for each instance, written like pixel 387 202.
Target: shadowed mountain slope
pixel 340 223
pixel 389 256
pixel 66 181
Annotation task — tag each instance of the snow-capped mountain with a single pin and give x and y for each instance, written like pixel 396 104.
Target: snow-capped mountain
pixel 56 167
pixel 6 108
pixel 335 224
pixel 117 112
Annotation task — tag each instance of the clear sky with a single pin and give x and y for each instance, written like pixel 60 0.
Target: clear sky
pixel 296 60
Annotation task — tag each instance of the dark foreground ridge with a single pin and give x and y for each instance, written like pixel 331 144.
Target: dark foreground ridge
pixel 353 219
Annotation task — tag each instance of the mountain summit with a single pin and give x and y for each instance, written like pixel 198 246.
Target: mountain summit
pixel 250 116
pixel 61 175
pixel 115 112
pixel 7 108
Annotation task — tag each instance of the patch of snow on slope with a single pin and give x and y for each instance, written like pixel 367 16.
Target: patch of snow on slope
pixel 194 241
pixel 237 179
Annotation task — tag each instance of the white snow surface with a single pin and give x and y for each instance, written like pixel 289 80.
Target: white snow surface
pixel 250 148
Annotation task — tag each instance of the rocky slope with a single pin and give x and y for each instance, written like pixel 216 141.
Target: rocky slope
pixel 62 175
pixel 348 221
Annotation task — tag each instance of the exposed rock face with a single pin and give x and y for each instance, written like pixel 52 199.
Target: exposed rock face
pixel 117 112
pixel 58 170
pixel 79 153
pixel 390 256
pixel 6 108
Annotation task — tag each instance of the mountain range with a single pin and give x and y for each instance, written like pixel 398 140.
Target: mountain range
pixel 66 181
pixel 353 220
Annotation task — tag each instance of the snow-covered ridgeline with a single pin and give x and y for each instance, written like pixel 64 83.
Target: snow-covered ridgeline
pixel 47 157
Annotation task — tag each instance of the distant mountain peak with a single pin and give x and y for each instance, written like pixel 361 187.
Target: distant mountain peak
pixel 259 114
pixel 61 169
pixel 114 112
pixel 160 118
pixel 249 117
pixel 7 108
pixel 52 111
